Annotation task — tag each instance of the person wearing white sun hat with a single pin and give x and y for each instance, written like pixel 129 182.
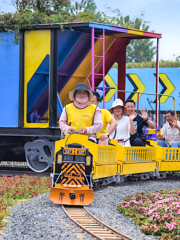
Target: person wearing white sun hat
pixel 125 124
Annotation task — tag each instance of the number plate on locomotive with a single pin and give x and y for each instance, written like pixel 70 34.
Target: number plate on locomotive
pixel 67 151
pixel 74 151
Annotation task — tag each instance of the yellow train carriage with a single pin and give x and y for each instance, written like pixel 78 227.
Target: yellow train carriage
pixel 137 160
pixel 168 159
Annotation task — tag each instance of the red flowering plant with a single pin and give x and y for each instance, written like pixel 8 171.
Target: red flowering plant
pixel 156 213
pixel 14 190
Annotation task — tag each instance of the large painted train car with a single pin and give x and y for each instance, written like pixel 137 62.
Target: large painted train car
pixel 81 165
pixel 37 74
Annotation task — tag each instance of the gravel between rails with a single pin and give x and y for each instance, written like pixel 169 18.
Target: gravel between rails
pixel 38 218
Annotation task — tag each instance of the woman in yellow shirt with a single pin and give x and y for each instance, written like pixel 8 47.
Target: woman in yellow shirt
pixel 81 115
pixel 107 118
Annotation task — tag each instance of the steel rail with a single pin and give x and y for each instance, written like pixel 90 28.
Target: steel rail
pixel 12 173
pixel 90 224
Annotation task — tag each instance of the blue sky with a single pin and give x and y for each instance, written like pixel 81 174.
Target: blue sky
pixel 163 17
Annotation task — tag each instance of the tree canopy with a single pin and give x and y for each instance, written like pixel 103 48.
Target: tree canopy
pixel 46 6
pixel 30 12
pixel 86 6
pixel 137 50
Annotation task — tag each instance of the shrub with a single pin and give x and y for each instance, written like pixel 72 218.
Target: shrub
pixel 156 213
pixel 16 189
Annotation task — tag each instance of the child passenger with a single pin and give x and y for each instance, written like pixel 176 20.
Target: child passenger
pixel 81 115
pixel 125 124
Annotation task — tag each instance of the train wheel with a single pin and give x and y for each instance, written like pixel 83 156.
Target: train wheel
pixel 34 162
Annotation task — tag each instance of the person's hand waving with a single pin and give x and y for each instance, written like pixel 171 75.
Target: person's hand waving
pixel 144 114
pixel 132 116
pixel 173 121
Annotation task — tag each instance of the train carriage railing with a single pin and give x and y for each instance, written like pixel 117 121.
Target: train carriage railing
pixel 104 161
pixel 168 158
pixel 106 155
pixel 134 160
pixel 141 155
pixel 172 155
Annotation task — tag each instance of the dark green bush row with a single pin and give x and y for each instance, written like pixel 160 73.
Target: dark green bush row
pixel 162 64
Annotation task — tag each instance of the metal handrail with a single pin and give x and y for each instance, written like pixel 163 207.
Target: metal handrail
pixel 157 94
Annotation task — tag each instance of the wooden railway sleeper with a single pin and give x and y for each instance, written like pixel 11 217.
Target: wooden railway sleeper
pixel 85 220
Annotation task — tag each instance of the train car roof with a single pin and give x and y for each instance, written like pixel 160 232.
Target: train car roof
pixel 111 30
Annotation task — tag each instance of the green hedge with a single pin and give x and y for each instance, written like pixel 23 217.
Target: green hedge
pixel 162 64
pixel 15 21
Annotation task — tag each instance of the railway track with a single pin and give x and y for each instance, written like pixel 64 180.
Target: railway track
pixel 90 224
pixel 13 171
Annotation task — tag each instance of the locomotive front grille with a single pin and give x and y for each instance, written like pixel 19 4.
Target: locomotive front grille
pixel 73 174
pixel 73 166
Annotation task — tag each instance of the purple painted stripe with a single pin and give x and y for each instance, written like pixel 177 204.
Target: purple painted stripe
pixel 73 60
pixel 120 29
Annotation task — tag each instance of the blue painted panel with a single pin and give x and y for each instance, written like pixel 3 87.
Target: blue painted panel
pixel 147 77
pixel 100 25
pixel 9 81
pixel 38 83
pixel 59 105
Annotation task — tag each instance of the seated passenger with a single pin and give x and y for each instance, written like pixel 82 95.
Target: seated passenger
pixel 125 124
pixel 170 133
pixel 81 115
pixel 138 139
pixel 107 118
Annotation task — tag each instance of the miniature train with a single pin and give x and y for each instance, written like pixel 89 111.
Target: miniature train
pixel 81 165
pixel 39 71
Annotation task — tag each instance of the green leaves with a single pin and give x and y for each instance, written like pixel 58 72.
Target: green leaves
pixel 45 6
pixel 156 213
pixel 140 51
pixel 32 12
pixel 152 64
pixel 16 189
